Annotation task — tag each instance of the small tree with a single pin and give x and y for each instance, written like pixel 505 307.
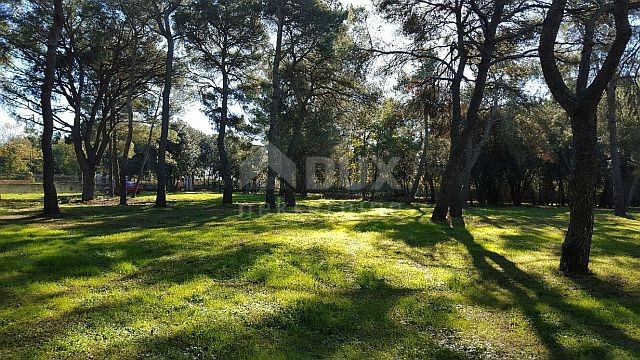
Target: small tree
pixel 227 39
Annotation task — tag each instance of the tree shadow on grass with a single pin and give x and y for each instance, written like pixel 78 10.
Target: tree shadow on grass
pixel 33 334
pixel 75 260
pixel 348 324
pixel 531 295
pixel 224 265
pixel 414 232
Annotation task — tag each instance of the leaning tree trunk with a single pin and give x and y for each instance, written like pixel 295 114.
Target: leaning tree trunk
pixel 48 184
pixel 451 187
pixel 577 244
pixel 619 201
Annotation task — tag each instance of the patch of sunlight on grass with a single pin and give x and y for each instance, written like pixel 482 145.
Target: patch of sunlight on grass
pixel 330 279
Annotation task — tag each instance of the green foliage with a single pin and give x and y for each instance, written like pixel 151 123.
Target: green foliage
pixel 227 42
pixel 65 159
pixel 20 156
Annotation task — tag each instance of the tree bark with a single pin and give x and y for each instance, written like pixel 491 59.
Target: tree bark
pixel 225 166
pixel 619 201
pixel 127 143
pixel 577 245
pixel 272 136
pixel 449 201
pixel 113 161
pixel 423 162
pixel 51 207
pixel 88 184
pixel 164 24
pixel 161 192
pixel 581 107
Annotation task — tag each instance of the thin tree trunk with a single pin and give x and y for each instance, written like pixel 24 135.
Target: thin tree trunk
pixel 473 154
pixel 423 162
pixel 50 193
pixel 127 143
pixel 146 156
pixel 270 199
pixel 165 25
pixel 562 193
pixel 225 166
pixel 619 202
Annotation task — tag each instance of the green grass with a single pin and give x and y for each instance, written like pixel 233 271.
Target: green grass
pixel 333 279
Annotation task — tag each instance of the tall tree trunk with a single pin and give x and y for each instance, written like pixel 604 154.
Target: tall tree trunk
pixel 270 199
pixel 581 107
pixel 50 193
pixel 449 201
pixel 619 201
pixel 161 192
pixel 127 143
pixel 423 162
pixel 113 161
pixel 225 166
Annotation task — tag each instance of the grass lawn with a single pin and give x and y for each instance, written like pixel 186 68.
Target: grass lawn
pixel 334 279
